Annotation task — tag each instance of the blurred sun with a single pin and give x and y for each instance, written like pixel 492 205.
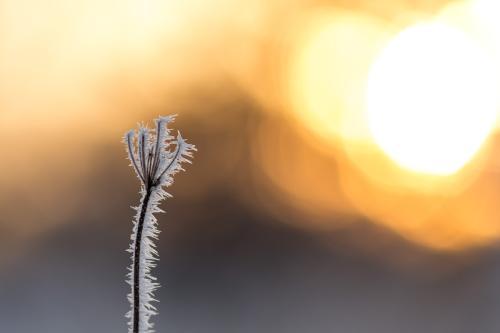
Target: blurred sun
pixel 431 98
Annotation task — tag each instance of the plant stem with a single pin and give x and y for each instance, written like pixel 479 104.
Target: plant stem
pixel 137 261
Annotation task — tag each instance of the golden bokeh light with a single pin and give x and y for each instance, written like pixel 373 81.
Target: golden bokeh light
pixel 431 98
pixel 75 75
pixel 329 69
pixel 291 81
pixel 405 107
pixel 478 19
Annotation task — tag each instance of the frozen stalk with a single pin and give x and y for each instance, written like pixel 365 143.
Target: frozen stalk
pixel 156 157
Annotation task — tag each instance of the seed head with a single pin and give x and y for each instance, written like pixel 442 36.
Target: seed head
pixel 155 154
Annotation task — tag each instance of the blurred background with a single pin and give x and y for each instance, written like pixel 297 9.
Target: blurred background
pixel 347 178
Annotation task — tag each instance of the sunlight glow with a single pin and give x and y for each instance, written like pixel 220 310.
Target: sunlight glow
pixel 431 99
pixel 330 64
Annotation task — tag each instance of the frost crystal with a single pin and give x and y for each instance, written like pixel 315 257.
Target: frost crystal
pixel 156 157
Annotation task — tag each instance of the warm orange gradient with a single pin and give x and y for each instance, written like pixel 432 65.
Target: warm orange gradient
pixel 411 117
pixel 75 75
pixel 331 62
pixel 276 90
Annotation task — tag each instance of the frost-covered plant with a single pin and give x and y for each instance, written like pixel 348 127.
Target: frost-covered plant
pixel 156 157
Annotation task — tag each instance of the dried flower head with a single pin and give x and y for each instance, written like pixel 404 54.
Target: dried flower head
pixel 156 157
pixel 153 160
